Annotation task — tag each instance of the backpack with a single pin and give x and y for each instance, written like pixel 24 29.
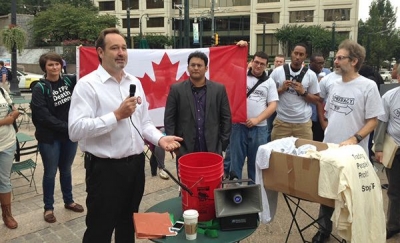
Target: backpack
pixel 43 85
pixel 298 78
pixel 9 74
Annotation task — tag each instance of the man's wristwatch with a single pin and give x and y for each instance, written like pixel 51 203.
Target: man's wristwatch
pixel 304 94
pixel 358 137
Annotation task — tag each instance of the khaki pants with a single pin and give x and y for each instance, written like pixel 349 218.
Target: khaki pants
pixel 6 86
pixel 284 129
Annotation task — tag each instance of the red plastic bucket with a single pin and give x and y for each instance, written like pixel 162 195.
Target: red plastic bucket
pixel 202 173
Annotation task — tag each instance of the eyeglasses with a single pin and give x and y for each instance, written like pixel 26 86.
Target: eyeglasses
pixel 340 58
pixel 259 63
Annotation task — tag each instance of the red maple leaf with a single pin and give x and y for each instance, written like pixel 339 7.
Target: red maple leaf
pixel 157 91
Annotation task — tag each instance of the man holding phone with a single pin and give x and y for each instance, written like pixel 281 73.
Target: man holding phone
pixel 297 88
pixel 110 118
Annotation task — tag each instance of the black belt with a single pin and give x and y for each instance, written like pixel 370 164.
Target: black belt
pixel 125 159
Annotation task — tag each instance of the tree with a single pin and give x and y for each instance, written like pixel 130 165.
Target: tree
pixel 316 37
pixel 155 41
pixel 378 33
pixel 35 6
pixel 64 22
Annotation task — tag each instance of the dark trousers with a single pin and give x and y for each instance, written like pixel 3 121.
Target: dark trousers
pixel 114 190
pixel 318 132
pixel 393 212
pixel 325 222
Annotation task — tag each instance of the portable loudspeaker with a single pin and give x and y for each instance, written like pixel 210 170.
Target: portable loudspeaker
pixel 237 200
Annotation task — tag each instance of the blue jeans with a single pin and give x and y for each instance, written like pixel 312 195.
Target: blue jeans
pixel 59 155
pixel 270 123
pixel 6 161
pixel 244 143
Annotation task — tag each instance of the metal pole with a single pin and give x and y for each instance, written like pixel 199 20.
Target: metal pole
pixel 333 43
pixel 180 28
pixel 201 33
pixel 186 24
pixel 14 82
pixel 264 36
pixel 140 27
pixel 212 18
pixel 128 23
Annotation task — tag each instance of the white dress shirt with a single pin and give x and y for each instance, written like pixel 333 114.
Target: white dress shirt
pixel 92 121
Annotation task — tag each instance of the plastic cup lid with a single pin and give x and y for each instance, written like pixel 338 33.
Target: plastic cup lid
pixel 190 213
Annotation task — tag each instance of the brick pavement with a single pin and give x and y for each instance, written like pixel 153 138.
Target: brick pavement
pixel 70 226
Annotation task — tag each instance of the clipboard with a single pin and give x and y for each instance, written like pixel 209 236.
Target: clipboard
pixel 390 148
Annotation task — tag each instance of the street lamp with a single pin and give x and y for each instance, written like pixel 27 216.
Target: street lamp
pixel 140 24
pixel 128 23
pixel 264 23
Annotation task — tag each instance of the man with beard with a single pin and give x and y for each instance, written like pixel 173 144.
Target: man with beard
pixel 352 108
pixel 297 88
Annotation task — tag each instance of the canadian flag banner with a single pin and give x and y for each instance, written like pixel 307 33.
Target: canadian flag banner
pixel 157 69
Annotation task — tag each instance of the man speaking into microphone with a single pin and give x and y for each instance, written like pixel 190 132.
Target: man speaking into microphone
pixel 109 117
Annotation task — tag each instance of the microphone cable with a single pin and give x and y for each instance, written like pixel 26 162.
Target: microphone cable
pixel 162 166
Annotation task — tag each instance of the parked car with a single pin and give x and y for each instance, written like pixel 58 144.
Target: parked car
pixel 27 80
pixel 386 75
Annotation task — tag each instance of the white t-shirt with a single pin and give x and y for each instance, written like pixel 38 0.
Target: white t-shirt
pixel 7 132
pixel 292 107
pixel 391 104
pixel 347 107
pixel 258 100
pixel 326 83
pixel 347 176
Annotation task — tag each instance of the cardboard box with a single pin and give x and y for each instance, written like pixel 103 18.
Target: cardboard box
pixel 296 176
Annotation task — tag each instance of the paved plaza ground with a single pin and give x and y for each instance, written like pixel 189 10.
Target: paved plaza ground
pixel 70 226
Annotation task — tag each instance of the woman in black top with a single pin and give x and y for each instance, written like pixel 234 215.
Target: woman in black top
pixel 51 99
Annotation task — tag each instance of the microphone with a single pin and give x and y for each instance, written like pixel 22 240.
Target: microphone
pixel 132 90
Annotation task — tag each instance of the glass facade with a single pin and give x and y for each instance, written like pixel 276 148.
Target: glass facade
pixel 337 14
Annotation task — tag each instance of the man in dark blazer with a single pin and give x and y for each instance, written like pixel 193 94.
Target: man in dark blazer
pixel 198 110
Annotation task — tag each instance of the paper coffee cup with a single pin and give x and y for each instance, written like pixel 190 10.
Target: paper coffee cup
pixel 190 218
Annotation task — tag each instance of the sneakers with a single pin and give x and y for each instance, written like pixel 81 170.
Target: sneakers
pixel 163 174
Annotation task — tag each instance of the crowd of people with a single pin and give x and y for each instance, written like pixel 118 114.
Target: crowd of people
pixel 96 112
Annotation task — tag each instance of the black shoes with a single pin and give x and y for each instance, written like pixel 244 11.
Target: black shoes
pixel 391 233
pixel 320 237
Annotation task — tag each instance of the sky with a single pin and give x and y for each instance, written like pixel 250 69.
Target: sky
pixel 364 9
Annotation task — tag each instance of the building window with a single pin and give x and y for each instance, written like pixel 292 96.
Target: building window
pixel 271 44
pixel 155 22
pixel 337 14
pixel 134 22
pixel 219 3
pixel 134 4
pixel 107 6
pixel 267 1
pixel 269 18
pixel 150 4
pixel 301 16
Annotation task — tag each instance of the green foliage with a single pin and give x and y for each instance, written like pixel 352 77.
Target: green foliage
pixel 64 22
pixel 378 33
pixel 155 41
pixel 13 36
pixel 316 37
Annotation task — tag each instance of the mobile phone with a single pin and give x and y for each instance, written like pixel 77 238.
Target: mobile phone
pixel 177 226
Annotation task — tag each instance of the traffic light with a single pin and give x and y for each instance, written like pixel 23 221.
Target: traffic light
pixel 212 40
pixel 216 39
